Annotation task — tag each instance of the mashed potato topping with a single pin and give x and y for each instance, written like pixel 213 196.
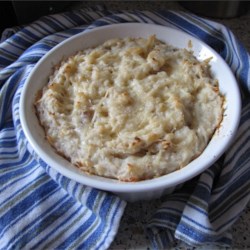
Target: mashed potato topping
pixel 130 109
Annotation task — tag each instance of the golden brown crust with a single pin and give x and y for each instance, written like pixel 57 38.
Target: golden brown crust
pixel 130 109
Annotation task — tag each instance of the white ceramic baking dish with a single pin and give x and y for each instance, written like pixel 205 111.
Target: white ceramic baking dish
pixel 147 189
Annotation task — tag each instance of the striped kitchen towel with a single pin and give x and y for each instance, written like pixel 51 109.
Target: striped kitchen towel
pixel 41 209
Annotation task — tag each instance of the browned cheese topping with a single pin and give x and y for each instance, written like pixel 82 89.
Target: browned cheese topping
pixel 131 109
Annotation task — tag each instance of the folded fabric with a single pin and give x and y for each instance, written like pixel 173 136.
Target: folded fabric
pixel 40 208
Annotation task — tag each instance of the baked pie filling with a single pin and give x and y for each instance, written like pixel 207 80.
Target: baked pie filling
pixel 130 109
